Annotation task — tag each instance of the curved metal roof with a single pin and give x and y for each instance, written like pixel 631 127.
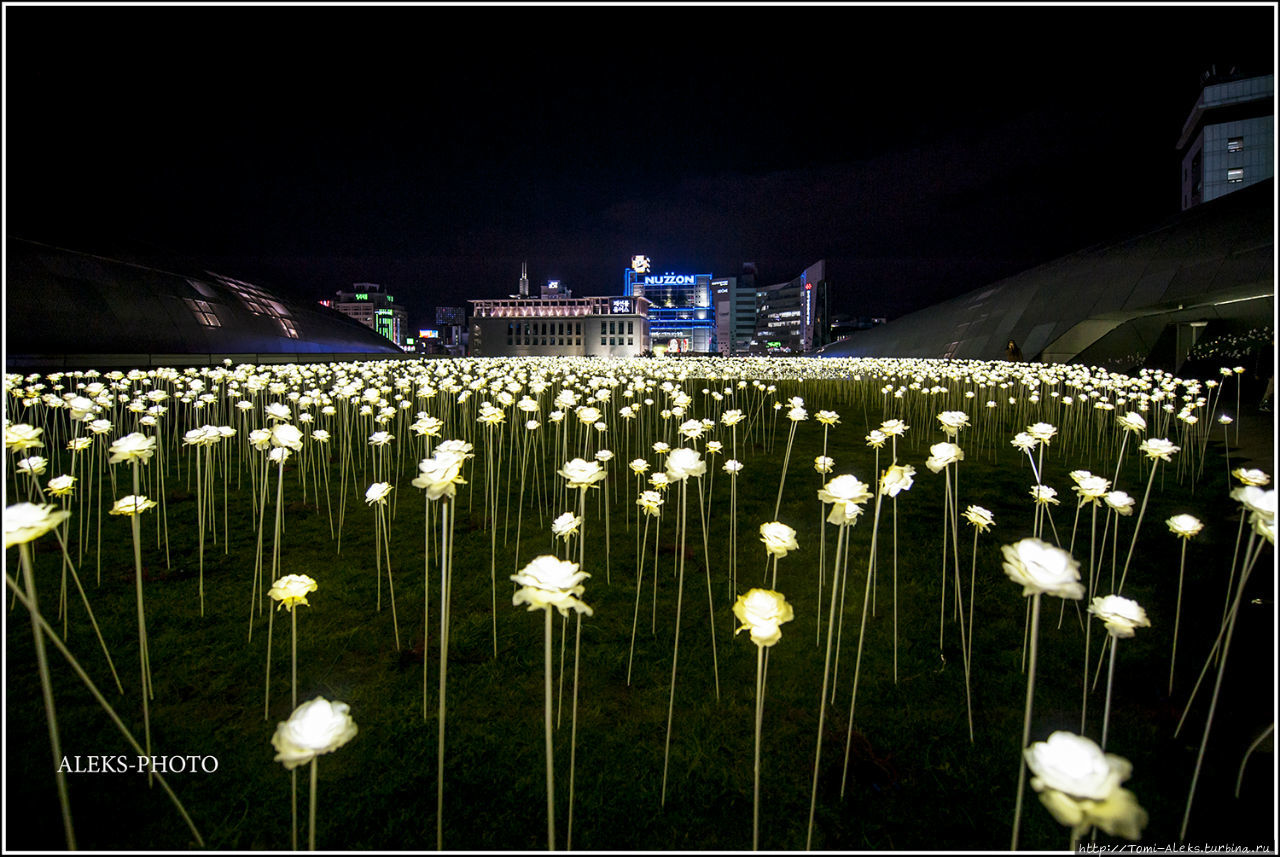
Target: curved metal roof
pixel 66 302
pixel 1109 304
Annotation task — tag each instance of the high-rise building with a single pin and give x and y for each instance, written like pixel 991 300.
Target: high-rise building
pixel 451 321
pixel 1228 140
pixel 735 303
pixel 681 315
pixel 371 305
pixel 450 315
pixel 792 317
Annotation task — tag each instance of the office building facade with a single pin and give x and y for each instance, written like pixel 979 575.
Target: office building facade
pixel 735 307
pixel 681 314
pixel 793 317
pixel 371 305
pixel 560 327
pixel 1228 140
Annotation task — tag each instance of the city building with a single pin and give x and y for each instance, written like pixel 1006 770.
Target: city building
pixel 793 317
pixel 559 325
pixel 372 306
pixel 451 324
pixel 681 315
pixel 1228 140
pixel 735 303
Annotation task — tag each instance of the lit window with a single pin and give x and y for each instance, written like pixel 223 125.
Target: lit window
pixel 203 312
pixel 1235 175
pixel 1235 144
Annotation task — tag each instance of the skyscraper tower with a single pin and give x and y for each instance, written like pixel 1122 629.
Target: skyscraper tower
pixel 524 279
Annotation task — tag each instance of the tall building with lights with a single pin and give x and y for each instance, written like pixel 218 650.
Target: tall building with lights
pixel 793 317
pixel 372 306
pixel 681 315
pixel 1228 140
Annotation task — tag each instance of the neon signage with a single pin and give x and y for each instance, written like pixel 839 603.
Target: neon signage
pixel 621 306
pixel 670 280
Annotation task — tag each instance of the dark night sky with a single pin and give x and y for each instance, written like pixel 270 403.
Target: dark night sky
pixel 922 151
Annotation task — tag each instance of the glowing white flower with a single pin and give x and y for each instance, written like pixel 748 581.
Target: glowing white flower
pixel 731 417
pixel 292 590
pixel 1042 432
pixel 1074 765
pixel 61 486
pixel 1044 495
pixel 135 447
pixel 287 436
pixel 894 427
pixel 1184 525
pixel 650 502
pixel 639 466
pixel 683 463
pixel 377 492
pixel 1132 422
pixel 943 454
pixel 953 421
pixel 20 437
pixel 1251 476
pixel 979 517
pixel 34 465
pixel 824 464
pixel 313 729
pixel 25 522
pixel 691 429
pixel 580 473
pixel 566 525
pixel 898 478
pixel 762 612
pixel 778 538
pixel 1159 448
pixel 440 475
pixel 846 494
pixel 1024 441
pixel 381 438
pixel 1120 502
pixel 1121 615
pixel 1091 489
pixel 133 504
pixel 732 466
pixel 278 411
pixel 1040 567
pixel 548 582
pixel 876 438
pixel 827 418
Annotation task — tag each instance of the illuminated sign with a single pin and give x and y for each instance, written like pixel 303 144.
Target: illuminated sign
pixel 670 280
pixel 361 296
pixel 640 264
pixel 621 306
pixel 428 334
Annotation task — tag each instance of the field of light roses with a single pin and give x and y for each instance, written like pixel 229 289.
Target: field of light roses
pixel 677 604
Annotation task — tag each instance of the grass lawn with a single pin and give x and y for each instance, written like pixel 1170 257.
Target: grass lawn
pixel 915 780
